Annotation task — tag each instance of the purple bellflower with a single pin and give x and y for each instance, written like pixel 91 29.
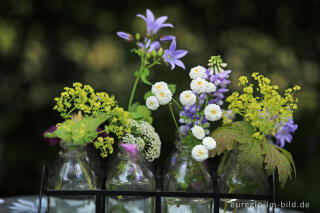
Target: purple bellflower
pixel 155 45
pixel 284 133
pixel 172 55
pixel 126 36
pixel 154 25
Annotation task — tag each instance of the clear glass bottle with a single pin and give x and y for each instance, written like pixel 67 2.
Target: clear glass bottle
pixel 241 179
pixel 130 173
pixel 187 175
pixel 71 171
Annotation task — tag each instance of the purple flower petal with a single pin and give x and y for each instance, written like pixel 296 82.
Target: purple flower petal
pixel 167 38
pixel 131 149
pixel 180 53
pixel 126 36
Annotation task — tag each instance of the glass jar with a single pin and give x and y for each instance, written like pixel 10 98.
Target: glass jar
pixel 131 174
pixel 187 175
pixel 241 179
pixel 71 171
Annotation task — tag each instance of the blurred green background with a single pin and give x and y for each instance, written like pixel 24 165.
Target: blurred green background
pixel 46 45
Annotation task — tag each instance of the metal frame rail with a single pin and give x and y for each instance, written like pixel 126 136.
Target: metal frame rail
pixel 158 194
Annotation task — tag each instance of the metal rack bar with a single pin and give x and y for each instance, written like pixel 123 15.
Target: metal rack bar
pixel 158 194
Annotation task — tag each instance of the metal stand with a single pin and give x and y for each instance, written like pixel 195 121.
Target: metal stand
pixel 158 194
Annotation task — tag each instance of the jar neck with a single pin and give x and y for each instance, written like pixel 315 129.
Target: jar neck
pixel 184 152
pixel 72 150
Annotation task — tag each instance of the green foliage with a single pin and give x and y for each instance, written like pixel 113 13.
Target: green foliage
pixel 147 95
pixel 280 159
pixel 172 88
pixel 81 131
pixel 140 113
pixel 253 152
pixel 229 135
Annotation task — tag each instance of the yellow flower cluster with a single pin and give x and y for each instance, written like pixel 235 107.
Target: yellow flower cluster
pixel 84 100
pixel 105 145
pixel 265 111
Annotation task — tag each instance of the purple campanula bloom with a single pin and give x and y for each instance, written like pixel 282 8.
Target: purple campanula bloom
pixel 126 36
pixel 51 141
pixel 155 45
pixel 284 133
pixel 172 55
pixel 167 38
pixel 154 25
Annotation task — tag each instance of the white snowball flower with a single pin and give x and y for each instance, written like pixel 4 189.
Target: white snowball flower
pixel 199 85
pixel 187 98
pixel 164 96
pixel 211 87
pixel 197 72
pixel 159 86
pixel 152 103
pixel 198 132
pixel 199 153
pixel 209 143
pixel 212 112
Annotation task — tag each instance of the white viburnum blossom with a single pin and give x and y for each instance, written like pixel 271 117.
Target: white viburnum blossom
pixel 152 103
pixel 187 98
pixel 209 143
pixel 164 96
pixel 159 86
pixel 212 112
pixel 198 132
pixel 211 87
pixel 197 72
pixel 199 85
pixel 199 153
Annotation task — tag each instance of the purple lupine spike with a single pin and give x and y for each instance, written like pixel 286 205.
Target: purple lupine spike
pixel 154 25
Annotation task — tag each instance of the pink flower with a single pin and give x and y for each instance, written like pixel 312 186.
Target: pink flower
pixel 131 149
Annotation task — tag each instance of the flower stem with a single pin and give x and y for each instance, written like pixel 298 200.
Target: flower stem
pixel 195 114
pixel 205 105
pixel 133 91
pixel 175 122
pixel 180 107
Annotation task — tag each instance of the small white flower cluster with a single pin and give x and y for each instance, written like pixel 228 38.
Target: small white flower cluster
pixel 145 136
pixel 212 112
pixel 161 95
pixel 201 152
pixel 198 86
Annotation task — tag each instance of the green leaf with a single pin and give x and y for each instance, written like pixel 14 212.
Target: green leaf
pixel 144 75
pixel 172 88
pixel 276 159
pixel 251 153
pixel 230 135
pixel 140 112
pixel 147 95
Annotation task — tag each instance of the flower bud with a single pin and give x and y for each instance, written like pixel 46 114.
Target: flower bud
pixel 138 36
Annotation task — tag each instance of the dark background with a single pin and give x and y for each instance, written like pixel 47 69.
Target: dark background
pixel 46 45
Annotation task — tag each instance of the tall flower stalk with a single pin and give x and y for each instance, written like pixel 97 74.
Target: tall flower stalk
pixel 151 50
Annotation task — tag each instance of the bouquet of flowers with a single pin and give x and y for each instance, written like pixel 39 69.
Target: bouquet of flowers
pixel 267 123
pixel 84 110
pixel 200 105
